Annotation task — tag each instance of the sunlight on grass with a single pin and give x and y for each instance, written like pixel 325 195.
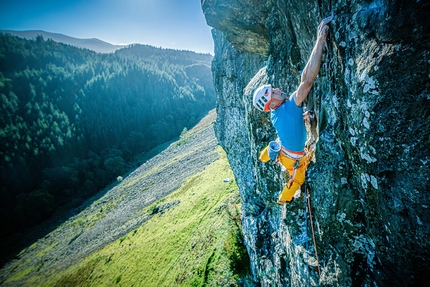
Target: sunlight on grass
pixel 20 274
pixel 193 243
pixel 44 251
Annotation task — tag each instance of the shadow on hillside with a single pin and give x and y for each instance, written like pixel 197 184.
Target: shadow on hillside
pixel 13 246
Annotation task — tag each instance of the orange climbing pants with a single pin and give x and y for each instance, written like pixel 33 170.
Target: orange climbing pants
pixel 288 162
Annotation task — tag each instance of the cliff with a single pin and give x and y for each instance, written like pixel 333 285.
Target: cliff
pixel 369 176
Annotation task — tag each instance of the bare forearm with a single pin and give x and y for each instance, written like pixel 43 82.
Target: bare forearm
pixel 312 67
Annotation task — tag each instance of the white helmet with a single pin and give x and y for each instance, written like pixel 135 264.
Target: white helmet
pixel 262 97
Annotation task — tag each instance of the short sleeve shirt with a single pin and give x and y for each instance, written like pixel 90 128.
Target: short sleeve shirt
pixel 290 126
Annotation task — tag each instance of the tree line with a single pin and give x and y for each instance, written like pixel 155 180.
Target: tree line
pixel 72 120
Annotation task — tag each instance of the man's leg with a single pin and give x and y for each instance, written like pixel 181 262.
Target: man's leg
pixel 264 154
pixel 299 178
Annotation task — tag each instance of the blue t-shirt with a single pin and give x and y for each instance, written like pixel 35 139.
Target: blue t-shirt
pixel 290 126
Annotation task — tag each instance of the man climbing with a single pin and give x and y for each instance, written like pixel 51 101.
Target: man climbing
pixel 287 118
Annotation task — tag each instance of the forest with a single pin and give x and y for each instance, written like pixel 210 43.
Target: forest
pixel 73 120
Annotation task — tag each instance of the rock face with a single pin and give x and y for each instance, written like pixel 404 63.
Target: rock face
pixel 369 177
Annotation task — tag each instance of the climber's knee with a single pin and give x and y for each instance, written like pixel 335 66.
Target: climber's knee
pixel 299 180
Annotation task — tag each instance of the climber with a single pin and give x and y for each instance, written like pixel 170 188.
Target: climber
pixel 287 118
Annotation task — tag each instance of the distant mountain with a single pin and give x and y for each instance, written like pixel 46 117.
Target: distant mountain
pixel 91 44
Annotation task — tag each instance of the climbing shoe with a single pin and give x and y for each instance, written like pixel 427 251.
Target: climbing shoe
pixel 282 202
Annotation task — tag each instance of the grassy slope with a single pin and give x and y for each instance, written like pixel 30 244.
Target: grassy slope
pixel 194 243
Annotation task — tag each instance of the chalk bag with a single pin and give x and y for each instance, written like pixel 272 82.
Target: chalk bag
pixel 274 149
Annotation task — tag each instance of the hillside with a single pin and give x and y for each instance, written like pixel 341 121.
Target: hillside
pixel 73 120
pixel 175 214
pixel 93 44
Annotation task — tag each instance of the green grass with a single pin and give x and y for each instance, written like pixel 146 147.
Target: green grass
pixel 194 243
pixel 20 274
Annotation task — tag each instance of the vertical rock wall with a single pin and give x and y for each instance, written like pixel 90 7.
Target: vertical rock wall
pixel 369 177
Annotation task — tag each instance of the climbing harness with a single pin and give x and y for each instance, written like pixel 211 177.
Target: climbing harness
pixel 308 197
pixel 296 156
pixel 292 154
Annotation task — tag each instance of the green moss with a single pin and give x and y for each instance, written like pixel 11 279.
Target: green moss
pixel 47 249
pixel 20 274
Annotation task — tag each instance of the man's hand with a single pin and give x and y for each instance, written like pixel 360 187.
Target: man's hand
pixel 309 114
pixel 323 28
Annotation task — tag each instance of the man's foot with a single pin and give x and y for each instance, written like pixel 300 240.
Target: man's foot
pixel 282 202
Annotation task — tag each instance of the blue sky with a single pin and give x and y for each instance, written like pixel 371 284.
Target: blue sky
pixel 176 24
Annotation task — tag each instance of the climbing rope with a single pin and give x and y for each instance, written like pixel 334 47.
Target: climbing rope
pixel 307 241
pixel 312 226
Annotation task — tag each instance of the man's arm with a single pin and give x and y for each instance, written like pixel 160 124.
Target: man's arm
pixel 312 67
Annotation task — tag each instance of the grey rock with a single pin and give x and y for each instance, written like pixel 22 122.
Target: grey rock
pixel 369 176
pixel 245 21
